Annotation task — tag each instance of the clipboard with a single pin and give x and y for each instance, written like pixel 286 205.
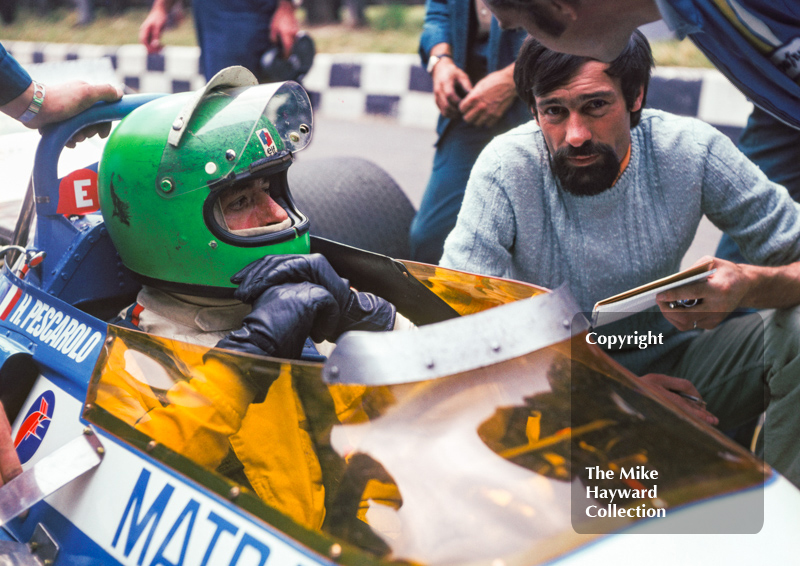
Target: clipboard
pixel 643 297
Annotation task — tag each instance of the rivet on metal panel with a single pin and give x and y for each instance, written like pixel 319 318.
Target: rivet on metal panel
pixel 87 431
pixel 151 445
pixel 234 492
pixel 335 551
pixel 334 372
pixel 495 347
pixel 101 450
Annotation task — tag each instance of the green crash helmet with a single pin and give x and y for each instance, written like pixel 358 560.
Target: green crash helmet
pixel 169 164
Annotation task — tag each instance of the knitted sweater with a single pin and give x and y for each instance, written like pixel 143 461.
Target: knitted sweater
pixel 515 222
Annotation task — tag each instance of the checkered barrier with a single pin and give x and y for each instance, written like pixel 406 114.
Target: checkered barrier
pixel 389 86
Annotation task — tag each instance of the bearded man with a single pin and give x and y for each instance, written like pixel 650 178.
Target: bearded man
pixel 603 196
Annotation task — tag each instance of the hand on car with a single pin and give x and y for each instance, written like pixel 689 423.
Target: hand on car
pixel 64 101
pixel 682 393
pixel 721 293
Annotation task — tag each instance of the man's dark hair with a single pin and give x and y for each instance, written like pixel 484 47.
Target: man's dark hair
pixel 540 70
pixel 537 11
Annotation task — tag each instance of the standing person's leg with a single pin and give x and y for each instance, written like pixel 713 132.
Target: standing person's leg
pixel 745 366
pixel 456 152
pixel 234 32
pixel 85 12
pixel 775 148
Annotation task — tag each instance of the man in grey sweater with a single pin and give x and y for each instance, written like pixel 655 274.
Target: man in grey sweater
pixel 604 197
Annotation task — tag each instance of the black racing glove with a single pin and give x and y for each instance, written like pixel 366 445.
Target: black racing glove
pixel 358 311
pixel 281 320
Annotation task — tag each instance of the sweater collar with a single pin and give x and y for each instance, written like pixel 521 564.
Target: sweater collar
pixel 623 165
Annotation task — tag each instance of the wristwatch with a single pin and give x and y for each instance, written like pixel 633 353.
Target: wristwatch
pixel 35 105
pixel 433 59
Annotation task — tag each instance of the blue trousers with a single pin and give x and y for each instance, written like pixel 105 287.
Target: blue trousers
pixel 775 148
pixel 233 32
pixel 456 152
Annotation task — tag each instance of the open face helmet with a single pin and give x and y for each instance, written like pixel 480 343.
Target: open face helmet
pixel 193 186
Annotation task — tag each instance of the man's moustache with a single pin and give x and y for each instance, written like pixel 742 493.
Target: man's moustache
pixel 585 150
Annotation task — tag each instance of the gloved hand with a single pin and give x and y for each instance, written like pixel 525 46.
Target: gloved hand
pixel 281 320
pixel 358 311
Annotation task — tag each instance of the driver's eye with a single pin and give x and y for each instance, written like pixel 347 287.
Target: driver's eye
pixel 238 204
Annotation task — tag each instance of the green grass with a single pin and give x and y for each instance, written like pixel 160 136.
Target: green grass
pixel 59 27
pixel 392 29
pixel 678 54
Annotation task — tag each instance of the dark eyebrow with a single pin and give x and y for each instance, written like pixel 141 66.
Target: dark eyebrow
pixel 581 98
pixel 233 191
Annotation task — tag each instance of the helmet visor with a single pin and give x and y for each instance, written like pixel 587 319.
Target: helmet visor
pixel 230 131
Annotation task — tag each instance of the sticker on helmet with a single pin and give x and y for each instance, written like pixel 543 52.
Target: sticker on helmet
pixel 77 193
pixel 34 426
pixel 267 142
pixel 121 208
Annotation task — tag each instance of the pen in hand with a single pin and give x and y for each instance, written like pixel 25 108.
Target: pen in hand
pixel 691 398
pixel 685 303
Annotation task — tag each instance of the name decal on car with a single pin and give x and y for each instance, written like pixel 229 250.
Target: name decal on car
pixel 55 329
pixel 214 539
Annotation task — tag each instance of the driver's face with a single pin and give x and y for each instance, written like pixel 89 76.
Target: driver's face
pixel 251 206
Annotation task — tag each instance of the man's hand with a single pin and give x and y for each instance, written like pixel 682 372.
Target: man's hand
pixel 489 100
pixel 9 461
pixel 357 311
pixel 64 101
pixel 682 393
pixel 282 318
pixel 284 27
pixel 153 25
pixel 721 293
pixel 450 86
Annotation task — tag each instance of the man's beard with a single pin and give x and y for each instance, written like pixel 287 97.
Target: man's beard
pixel 587 180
